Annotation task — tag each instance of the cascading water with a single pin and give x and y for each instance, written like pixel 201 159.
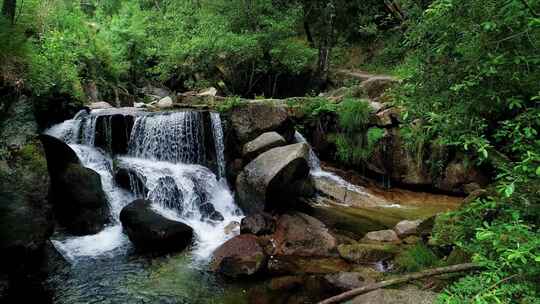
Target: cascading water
pixel 165 161
pixel 317 172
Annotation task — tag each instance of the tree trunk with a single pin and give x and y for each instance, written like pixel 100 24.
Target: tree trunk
pixel 326 43
pixel 399 280
pixel 8 10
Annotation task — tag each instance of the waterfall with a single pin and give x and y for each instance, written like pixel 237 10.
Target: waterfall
pixel 217 130
pixel 165 160
pixel 317 172
pixel 173 137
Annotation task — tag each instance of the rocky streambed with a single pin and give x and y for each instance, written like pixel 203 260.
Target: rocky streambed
pixel 190 206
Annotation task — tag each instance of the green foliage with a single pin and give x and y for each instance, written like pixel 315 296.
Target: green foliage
pixel 315 106
pixel 416 258
pixel 354 115
pixel 357 141
pixel 230 103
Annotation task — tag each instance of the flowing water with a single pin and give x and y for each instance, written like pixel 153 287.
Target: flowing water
pixel 166 162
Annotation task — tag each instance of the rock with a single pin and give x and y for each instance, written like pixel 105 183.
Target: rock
pixel 261 144
pixel 382 236
pixel 457 175
pixel 295 265
pixel 299 234
pixel 167 194
pixel 151 232
pixel 270 178
pixel 140 105
pixel 18 122
pixel 367 253
pixel 100 105
pixel 286 283
pixel 165 103
pixel 239 256
pixel 78 199
pixel 388 117
pixel 231 227
pixel 76 192
pixel 151 90
pixel 375 86
pixel 411 240
pixel 113 132
pixel 131 180
pixel 344 281
pixel 258 224
pixel 252 119
pixel 406 228
pixel 396 296
pixel 208 211
pixel 58 154
pixel 208 92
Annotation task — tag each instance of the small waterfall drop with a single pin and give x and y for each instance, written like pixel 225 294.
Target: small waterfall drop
pixel 317 172
pixel 166 158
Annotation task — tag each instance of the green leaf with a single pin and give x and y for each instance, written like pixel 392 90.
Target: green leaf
pixel 538 171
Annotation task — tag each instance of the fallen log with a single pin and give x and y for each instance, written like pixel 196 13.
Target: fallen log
pixel 401 279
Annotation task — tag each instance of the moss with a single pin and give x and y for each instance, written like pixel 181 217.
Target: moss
pixel 230 103
pixel 367 253
pixel 416 258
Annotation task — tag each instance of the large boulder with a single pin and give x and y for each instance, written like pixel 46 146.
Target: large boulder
pixel 299 234
pixel 261 144
pixel 239 256
pixel 254 118
pixel 78 199
pixel 76 192
pixel 58 154
pixel 457 175
pixel 151 232
pixel 274 176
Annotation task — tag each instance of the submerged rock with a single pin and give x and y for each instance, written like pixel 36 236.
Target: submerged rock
pixel 239 256
pixel 151 232
pixel 367 253
pixel 253 119
pixel 261 144
pixel 294 265
pixel 344 281
pixel 273 178
pixel 396 296
pixel 131 180
pixel 167 194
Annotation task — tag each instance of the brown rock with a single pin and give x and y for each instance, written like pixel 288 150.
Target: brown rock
pixel 302 235
pixel 389 236
pixel 239 256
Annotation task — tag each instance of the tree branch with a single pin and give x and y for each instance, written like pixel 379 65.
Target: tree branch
pixel 402 279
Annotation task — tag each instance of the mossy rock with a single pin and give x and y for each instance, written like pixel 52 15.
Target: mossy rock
pixel 367 253
pixel 295 265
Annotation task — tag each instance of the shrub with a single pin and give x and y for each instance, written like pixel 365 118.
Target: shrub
pixel 416 258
